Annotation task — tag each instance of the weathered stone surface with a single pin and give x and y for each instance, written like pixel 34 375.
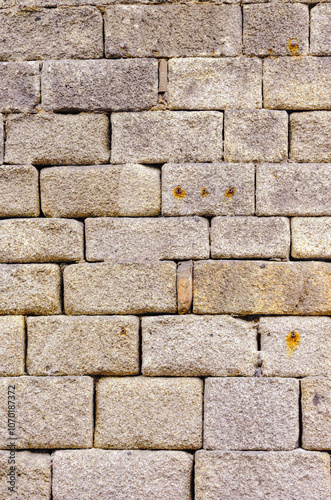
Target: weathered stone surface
pixel 19 192
pixel 100 191
pixel 202 83
pixel 41 240
pixel 288 475
pixel 2 147
pixel 50 139
pixel 310 136
pixel 12 346
pixel 251 414
pixel 297 83
pixel 142 412
pixel 19 86
pixel 257 287
pixel 120 288
pixel 311 237
pixel 167 136
pixel 32 475
pixel 255 135
pixel 320 27
pixel 316 413
pixel 83 345
pixel 50 412
pixel 184 286
pixel 123 84
pixel 172 30
pixel 295 347
pixel 208 189
pixel 276 29
pixel 30 289
pixel 139 475
pixel 198 346
pixel 250 238
pixel 146 239
pixel 293 189
pixel 50 33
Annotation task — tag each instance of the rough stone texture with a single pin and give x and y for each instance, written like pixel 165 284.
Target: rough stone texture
pixel 50 34
pixel 19 192
pixel 293 189
pixel 19 86
pixel 250 238
pixel 100 191
pixel 208 189
pixel 1 139
pixel 215 83
pixel 51 412
pixel 33 478
pixel 142 412
pixel 138 475
pixel 255 135
pixel 41 240
pixel 251 414
pixel 146 239
pixel 310 136
pixel 316 413
pixel 50 139
pixel 288 475
pixel 257 287
pixel 297 83
pixel 184 286
pixel 30 289
pixel 198 346
pixel 128 85
pixel 320 26
pixel 12 346
pixel 295 347
pixel 172 30
pixel 311 237
pixel 276 29
pixel 120 288
pixel 167 136
pixel 83 345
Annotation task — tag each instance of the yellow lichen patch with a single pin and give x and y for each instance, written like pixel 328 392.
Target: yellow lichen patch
pixel 230 192
pixel 293 46
pixel 179 192
pixel 292 342
pixel 204 191
pixel 123 331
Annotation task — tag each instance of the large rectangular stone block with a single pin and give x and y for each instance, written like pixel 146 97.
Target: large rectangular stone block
pixel 250 237
pixel 255 135
pixel 122 84
pixel 311 237
pixel 164 238
pixel 19 86
pixel 172 30
pixel 167 136
pixel 49 412
pixel 297 83
pixel 316 413
pixel 19 191
pixel 100 191
pixel 165 475
pixel 191 345
pixel 286 475
pixel 83 345
pixel 50 34
pixel 276 29
pixel 310 136
pixel 200 83
pixel 30 289
pixel 320 26
pixel 251 414
pixel 293 189
pixel 257 287
pixel 295 346
pixel 142 412
pixel 12 342
pixel 120 288
pixel 57 139
pixel 41 240
pixel 208 189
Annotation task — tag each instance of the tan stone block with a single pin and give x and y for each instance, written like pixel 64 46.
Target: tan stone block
pixel 19 86
pixel 2 147
pixel 184 286
pixel 83 345
pixel 142 412
pixel 19 191
pixel 311 237
pixel 12 346
pixel 316 413
pixel 310 136
pixel 320 26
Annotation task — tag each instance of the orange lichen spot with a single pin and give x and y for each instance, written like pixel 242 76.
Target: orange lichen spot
pixel 293 46
pixel 269 52
pixel 179 192
pixel 230 192
pixel 123 331
pixel 204 191
pixel 292 342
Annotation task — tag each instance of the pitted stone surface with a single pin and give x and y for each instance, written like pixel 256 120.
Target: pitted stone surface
pixel 19 193
pixel 320 26
pixel 12 345
pixel 311 237
pixel 316 413
pixel 310 136
pixel 19 86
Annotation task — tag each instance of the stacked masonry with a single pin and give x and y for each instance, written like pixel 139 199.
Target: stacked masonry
pixel 165 276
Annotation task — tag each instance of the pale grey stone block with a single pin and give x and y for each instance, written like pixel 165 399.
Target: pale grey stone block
pixel 184 286
pixel 12 346
pixel 311 237
pixel 316 413
pixel 19 191
pixel 19 86
pixel 320 27
pixel 310 136
pixel 2 146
